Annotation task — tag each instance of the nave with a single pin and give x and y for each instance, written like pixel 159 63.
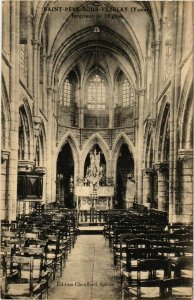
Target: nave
pixel 89 272
pixel 137 254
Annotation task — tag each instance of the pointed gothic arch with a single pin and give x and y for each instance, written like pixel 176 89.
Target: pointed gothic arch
pixel 95 139
pixel 120 140
pixel 163 131
pixel 185 125
pixel 69 138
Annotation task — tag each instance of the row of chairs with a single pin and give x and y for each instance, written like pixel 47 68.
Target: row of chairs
pixel 34 251
pixel 153 258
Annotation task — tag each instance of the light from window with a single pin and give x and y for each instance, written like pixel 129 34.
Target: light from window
pixel 168 61
pixel 23 59
pixel 128 94
pixel 66 93
pixel 96 93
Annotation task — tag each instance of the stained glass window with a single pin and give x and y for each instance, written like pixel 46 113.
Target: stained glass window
pixel 96 93
pixel 127 93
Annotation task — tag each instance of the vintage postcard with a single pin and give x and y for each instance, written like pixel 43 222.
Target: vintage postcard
pixel 96 150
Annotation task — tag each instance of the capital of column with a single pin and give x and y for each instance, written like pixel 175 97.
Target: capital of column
pixel 149 172
pixel 25 166
pixel 162 167
pixel 185 154
pixel 4 155
pixel 40 170
pixel 155 46
pixel 37 125
pixel 141 92
pixel 50 90
pixel 29 18
pixel 168 42
pixel 151 122
pixel 36 44
pixel 44 57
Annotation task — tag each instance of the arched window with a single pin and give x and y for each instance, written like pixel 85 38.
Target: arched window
pixel 96 97
pixel 66 93
pixel 127 94
pixel 23 136
pixel 21 142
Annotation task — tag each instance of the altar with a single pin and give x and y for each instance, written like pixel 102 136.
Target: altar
pixel 102 198
pixel 95 190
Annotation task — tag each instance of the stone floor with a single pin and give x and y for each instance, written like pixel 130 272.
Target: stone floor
pixel 88 274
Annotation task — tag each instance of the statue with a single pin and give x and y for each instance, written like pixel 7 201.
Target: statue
pixel 94 172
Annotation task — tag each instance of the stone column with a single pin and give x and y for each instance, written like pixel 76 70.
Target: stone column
pixel 4 191
pixel 50 140
pixel 111 110
pixel 29 47
pixel 14 107
pixel 111 117
pixel 81 118
pixel 184 207
pixel 174 185
pixel 139 143
pixel 5 28
pixel 36 57
pixel 147 184
pixel 163 185
pixel 44 96
pixel 156 53
pixel 81 108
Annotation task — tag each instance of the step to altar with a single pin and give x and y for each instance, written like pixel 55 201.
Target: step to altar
pixel 90 229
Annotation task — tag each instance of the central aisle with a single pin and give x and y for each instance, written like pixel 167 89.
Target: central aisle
pixel 89 273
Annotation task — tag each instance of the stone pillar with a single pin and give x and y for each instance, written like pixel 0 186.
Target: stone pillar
pixel 5 28
pixel 29 47
pixel 81 107
pixel 36 57
pixel 163 185
pixel 81 118
pixel 44 96
pixel 50 153
pixel 174 184
pixel 139 143
pixel 4 191
pixel 111 117
pixel 184 208
pixel 111 109
pixel 14 111
pixel 156 53
pixel 147 186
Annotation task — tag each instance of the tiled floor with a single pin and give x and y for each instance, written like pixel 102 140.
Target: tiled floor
pixel 88 274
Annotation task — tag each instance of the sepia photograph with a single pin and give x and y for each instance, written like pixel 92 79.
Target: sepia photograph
pixel 97 150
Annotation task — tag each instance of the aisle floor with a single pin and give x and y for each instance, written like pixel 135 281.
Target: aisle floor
pixel 88 273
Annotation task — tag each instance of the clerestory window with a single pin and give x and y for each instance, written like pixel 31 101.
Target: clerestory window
pixel 127 94
pixel 66 93
pixel 96 96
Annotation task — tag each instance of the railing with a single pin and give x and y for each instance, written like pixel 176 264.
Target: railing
pixel 92 216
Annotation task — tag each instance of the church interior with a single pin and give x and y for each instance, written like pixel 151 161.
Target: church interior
pixel 96 150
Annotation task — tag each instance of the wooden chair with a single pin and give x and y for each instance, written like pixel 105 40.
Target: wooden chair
pixel 40 274
pixel 119 251
pixel 180 284
pixel 21 286
pixel 144 279
pixel 53 255
pixel 6 254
